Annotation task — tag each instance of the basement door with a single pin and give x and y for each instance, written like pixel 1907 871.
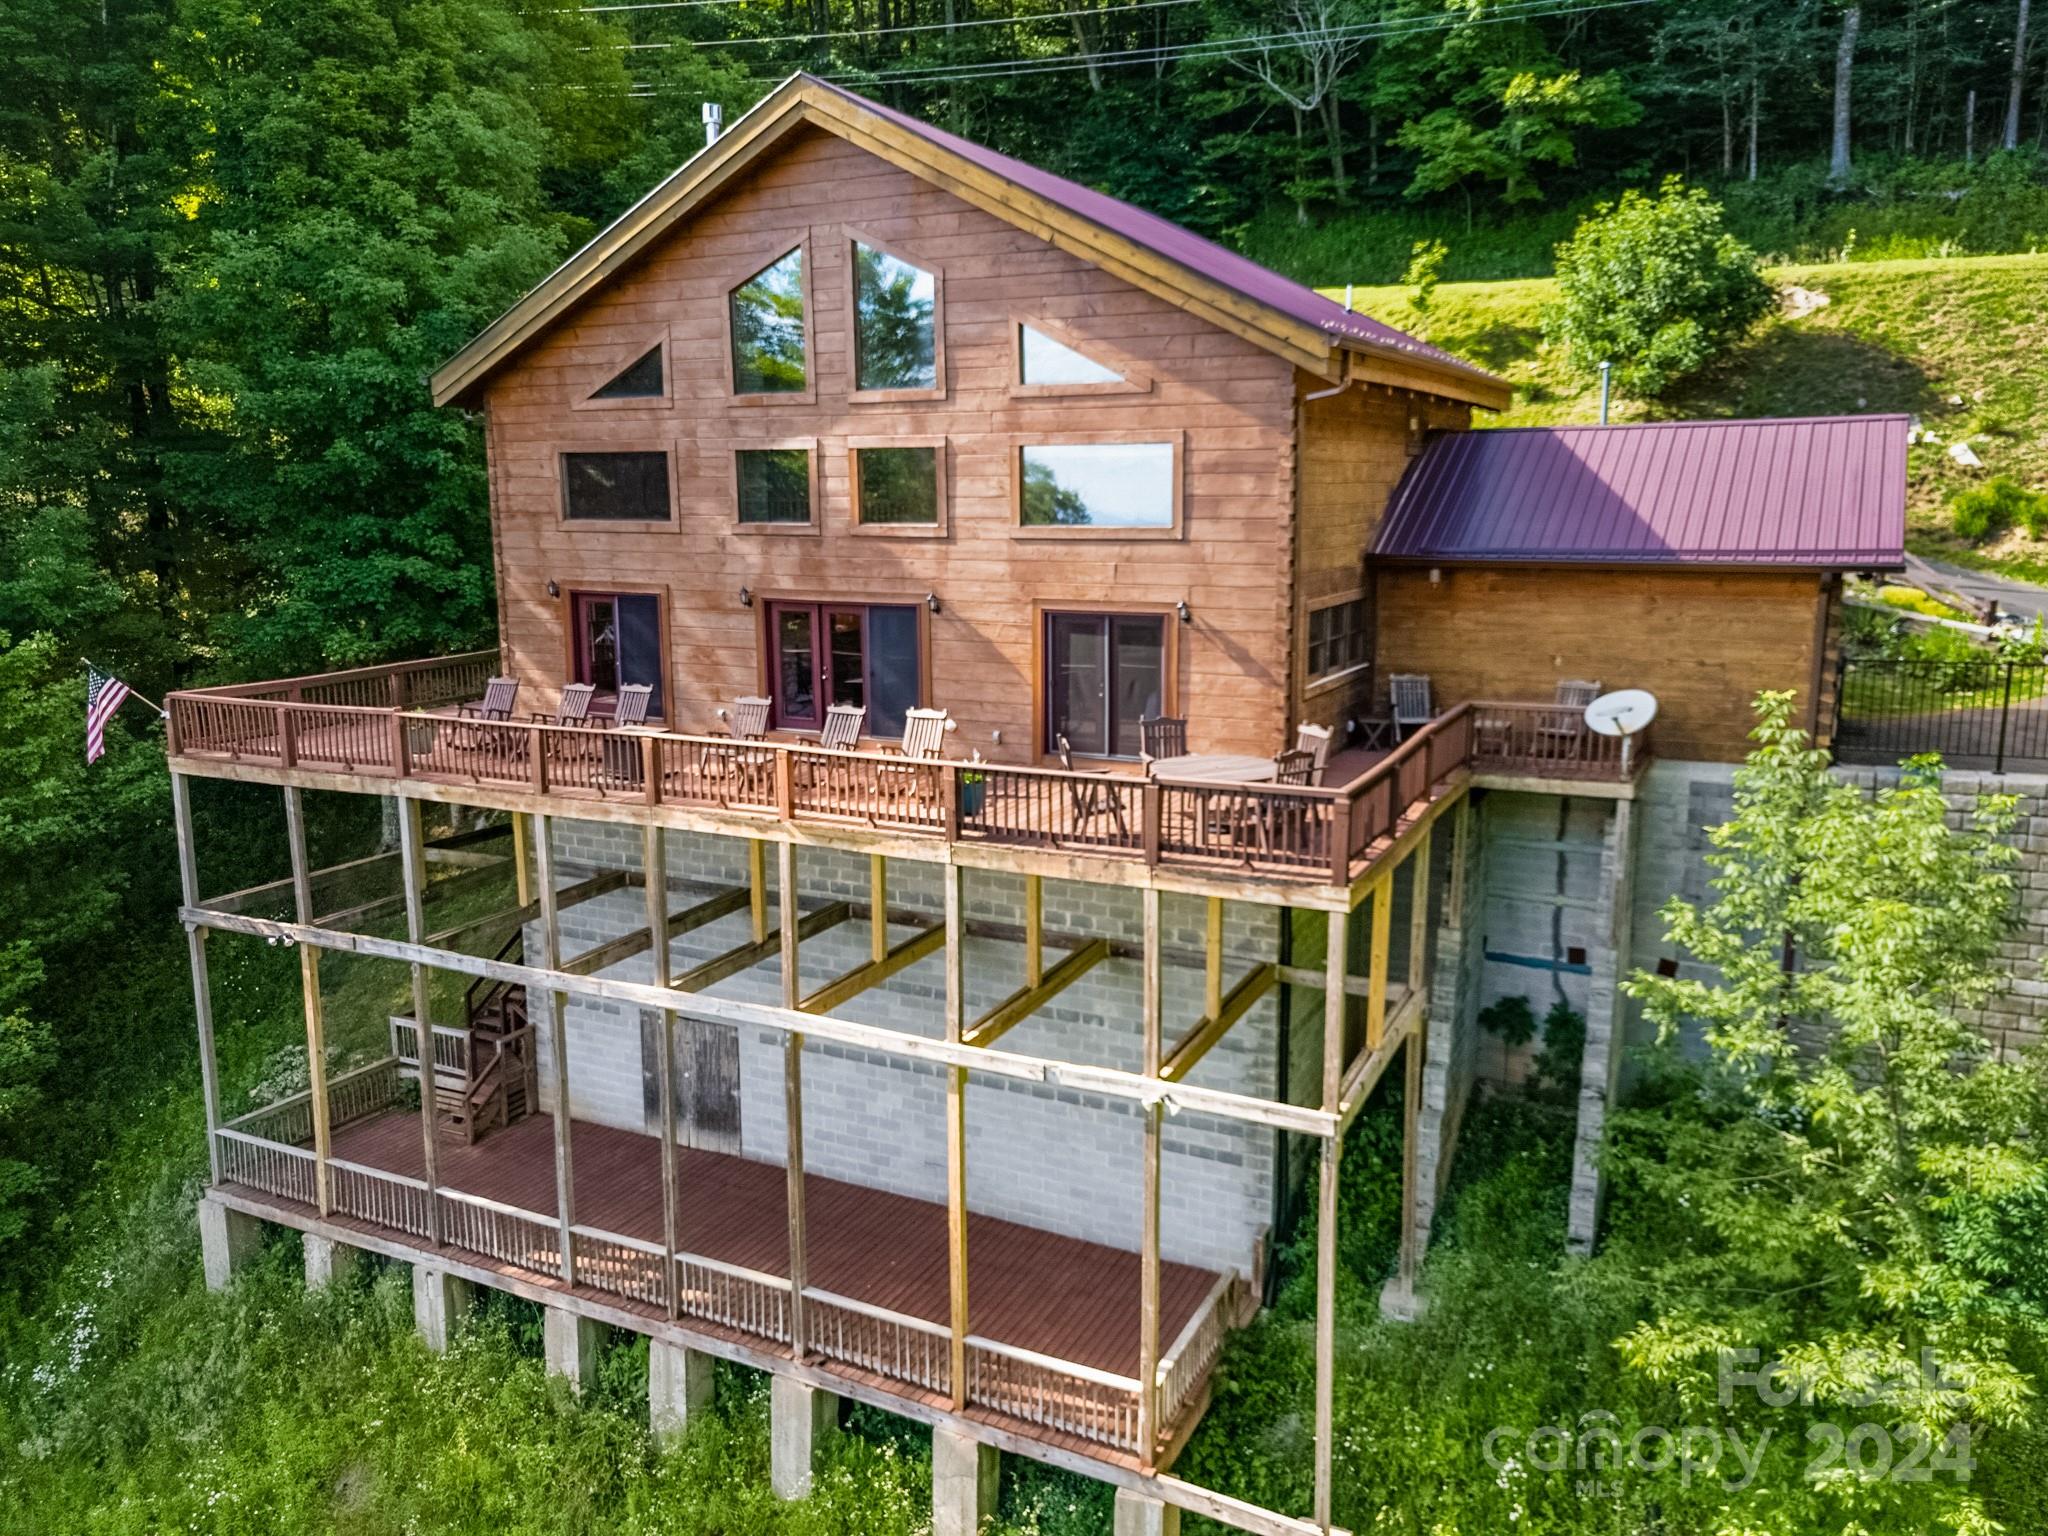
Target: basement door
pixel 707 1081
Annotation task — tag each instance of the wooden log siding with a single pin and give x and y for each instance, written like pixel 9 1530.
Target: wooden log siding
pixel 1229 404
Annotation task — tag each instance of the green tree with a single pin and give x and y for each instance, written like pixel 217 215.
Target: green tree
pixel 1840 1157
pixel 1657 286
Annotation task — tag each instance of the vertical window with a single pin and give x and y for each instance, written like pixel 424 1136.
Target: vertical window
pixel 895 322
pixel 639 380
pixel 863 654
pixel 1336 637
pixel 1096 485
pixel 1104 673
pixel 774 484
pixel 618 641
pixel 768 329
pixel 1041 360
pixel 896 486
pixel 615 487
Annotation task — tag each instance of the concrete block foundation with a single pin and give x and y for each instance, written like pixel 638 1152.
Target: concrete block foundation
pixel 227 1240
pixel 679 1388
pixel 569 1344
pixel 1137 1515
pixel 964 1479
pixel 802 1423
pixel 328 1261
pixel 440 1303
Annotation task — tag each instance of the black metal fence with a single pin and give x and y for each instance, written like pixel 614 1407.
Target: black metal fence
pixel 1976 714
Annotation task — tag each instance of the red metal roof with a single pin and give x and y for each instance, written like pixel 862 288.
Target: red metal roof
pixel 1186 249
pixel 1825 492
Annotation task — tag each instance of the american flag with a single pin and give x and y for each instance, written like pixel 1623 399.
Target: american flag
pixel 103 695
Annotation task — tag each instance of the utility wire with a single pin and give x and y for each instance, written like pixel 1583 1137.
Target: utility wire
pixel 923 26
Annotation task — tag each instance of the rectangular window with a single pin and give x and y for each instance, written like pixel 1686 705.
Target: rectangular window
pixel 774 484
pixel 1103 673
pixel 615 487
pixel 618 640
pixel 897 486
pixel 767 313
pixel 895 322
pixel 1096 485
pixel 1336 638
pixel 864 654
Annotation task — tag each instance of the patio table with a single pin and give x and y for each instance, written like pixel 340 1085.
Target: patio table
pixel 1214 768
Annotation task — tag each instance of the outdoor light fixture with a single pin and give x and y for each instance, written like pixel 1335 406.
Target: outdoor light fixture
pixel 931 601
pixel 746 598
pixel 1181 608
pixel 554 589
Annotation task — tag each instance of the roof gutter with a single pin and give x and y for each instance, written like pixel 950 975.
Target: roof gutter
pixel 1345 381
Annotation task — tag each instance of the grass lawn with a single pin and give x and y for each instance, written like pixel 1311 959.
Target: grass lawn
pixel 1961 343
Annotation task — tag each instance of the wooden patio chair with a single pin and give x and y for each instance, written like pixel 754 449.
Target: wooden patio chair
pixel 634 701
pixel 501 694
pixel 1296 766
pixel 573 710
pixel 747 720
pixel 1088 795
pixel 1165 736
pixel 924 740
pixel 1408 692
pixel 1315 741
pixel 843 723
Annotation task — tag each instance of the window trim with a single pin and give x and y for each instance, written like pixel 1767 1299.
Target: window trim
pixel 617 361
pixel 1018 442
pixel 764 645
pixel 1316 683
pixel 1135 380
pixel 673 523
pixel 850 234
pixel 765 255
pixel 770 445
pixel 572 596
pixel 934 530
pixel 1043 749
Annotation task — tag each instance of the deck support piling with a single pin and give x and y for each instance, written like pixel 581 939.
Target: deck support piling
pixel 1154 1111
pixel 793 1107
pixel 569 1344
pixel 558 1041
pixel 329 1260
pixel 227 1240
pixel 757 886
pixel 1137 1515
pixel 654 866
pixel 441 1302
pixel 1326 1204
pixel 202 987
pixel 964 1479
pixel 680 1387
pixel 1034 930
pixel 413 871
pixel 878 908
pixel 1212 958
pixel 1419 983
pixel 802 1423
pixel 309 981
pixel 522 872
pixel 956 1143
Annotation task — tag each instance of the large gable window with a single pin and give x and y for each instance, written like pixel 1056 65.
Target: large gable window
pixel 1043 360
pixel 863 654
pixel 895 322
pixel 767 313
pixel 638 380
pixel 615 487
pixel 1097 485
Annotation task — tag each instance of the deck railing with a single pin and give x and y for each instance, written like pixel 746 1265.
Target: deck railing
pixel 1187 1363
pixel 1099 1406
pixel 1549 741
pixel 875 1339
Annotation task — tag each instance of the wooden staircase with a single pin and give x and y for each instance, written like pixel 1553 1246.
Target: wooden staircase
pixel 493 1081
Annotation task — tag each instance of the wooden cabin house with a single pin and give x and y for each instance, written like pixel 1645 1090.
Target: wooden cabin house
pixel 922 974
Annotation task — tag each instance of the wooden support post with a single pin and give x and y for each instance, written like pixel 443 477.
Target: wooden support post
pixel 1326 1216
pixel 1376 964
pixel 654 866
pixel 793 1096
pixel 956 1140
pixel 1212 955
pixel 522 871
pixel 558 1040
pixel 1149 1427
pixel 1419 913
pixel 202 987
pixel 878 908
pixel 309 981
pixel 757 886
pixel 1411 1114
pixel 1034 930
pixel 413 870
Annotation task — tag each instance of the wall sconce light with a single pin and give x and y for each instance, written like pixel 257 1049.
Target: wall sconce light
pixel 554 589
pixel 1181 608
pixel 746 598
pixel 931 601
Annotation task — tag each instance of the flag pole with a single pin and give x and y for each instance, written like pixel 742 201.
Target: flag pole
pixel 95 666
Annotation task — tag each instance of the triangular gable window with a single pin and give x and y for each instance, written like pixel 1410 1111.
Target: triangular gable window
pixel 1045 361
pixel 640 380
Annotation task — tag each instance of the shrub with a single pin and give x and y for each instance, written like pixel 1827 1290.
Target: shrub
pixel 1986 510
pixel 1512 1018
pixel 1657 286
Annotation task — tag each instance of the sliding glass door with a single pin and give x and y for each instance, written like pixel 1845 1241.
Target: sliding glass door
pixel 1104 672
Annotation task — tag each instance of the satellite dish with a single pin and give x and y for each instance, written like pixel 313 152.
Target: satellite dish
pixel 1624 713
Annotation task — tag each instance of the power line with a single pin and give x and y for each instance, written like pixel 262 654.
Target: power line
pixel 926 26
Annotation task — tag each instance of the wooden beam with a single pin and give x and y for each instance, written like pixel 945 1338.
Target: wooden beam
pixel 1110 1082
pixel 1376 964
pixel 1326 1218
pixel 558 1040
pixel 309 986
pixel 788 939
pixel 654 865
pixel 413 871
pixel 757 885
pixel 1212 955
pixel 202 986
pixel 1197 1042
pixel 745 957
pixel 1034 931
pixel 569 896
pixel 956 1141
pixel 1028 999
pixel 1364 1074
pixel 440 890
pixel 1418 915
pixel 873 973
pixel 612 951
pixel 878 907
pixel 522 873
pixel 1149 1267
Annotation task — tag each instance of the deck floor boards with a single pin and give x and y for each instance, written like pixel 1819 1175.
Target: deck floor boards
pixel 1035 1290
